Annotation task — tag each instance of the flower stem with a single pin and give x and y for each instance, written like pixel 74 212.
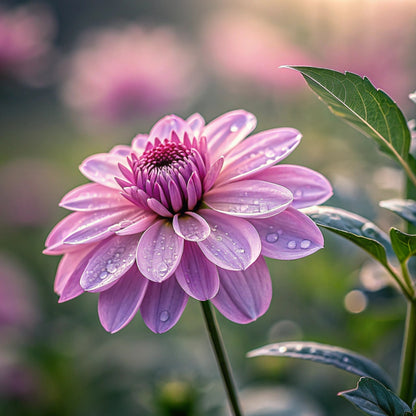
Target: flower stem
pixel 408 360
pixel 221 356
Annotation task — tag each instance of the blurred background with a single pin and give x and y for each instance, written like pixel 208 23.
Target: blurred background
pixel 78 77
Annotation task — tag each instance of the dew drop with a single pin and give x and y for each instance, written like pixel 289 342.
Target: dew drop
pixel 345 359
pixel 305 244
pixel 272 237
pixel 291 244
pixel 103 274
pixel 298 193
pixel 240 250
pixel 234 128
pixel 164 316
pixel 163 269
pixel 111 268
pixel 282 349
pixel 269 153
pixel 298 347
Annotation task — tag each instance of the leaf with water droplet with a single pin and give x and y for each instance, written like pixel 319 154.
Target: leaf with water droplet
pixel 357 229
pixel 326 354
pixel 374 399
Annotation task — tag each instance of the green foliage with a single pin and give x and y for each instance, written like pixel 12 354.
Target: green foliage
pixel 372 398
pixel 404 245
pixel 357 229
pixel 326 354
pixel 405 208
pixel 360 104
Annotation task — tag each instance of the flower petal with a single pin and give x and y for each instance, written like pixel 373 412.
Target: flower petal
pixel 163 305
pixel 111 260
pixel 118 305
pixel 191 226
pixel 288 235
pixel 103 168
pixel 121 150
pixel 259 152
pixel 137 224
pixel 168 124
pixel 159 251
pixel 249 198
pixel 244 295
pixel 138 144
pixel 197 276
pixel 92 197
pixel 196 123
pixel 213 173
pixel 67 266
pixel 233 243
pixel 307 186
pixel 226 131
pixel 101 224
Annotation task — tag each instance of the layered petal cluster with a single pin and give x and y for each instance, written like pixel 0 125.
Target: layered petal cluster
pixel 188 210
pixel 115 74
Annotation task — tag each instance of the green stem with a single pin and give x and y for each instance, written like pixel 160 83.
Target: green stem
pixel 408 359
pixel 221 356
pixel 407 289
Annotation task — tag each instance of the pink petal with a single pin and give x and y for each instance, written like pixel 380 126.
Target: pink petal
pixel 98 225
pixel 92 197
pixel 212 174
pixel 159 251
pixel 249 198
pixel 197 276
pixel 307 186
pixel 66 267
pixel 138 144
pixel 288 235
pixel 54 241
pixel 158 208
pixel 168 124
pixel 196 123
pixel 244 295
pixel 226 131
pixel 138 223
pixel 111 260
pixel 103 168
pixel 233 243
pixel 191 226
pixel 163 305
pixel 118 305
pixel 259 152
pixel 121 150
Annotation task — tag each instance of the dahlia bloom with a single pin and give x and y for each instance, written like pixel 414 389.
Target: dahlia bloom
pixel 188 210
pixel 115 74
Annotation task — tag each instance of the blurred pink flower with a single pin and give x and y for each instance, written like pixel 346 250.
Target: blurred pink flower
pixel 246 49
pixel 18 301
pixel 188 210
pixel 25 42
pixel 120 74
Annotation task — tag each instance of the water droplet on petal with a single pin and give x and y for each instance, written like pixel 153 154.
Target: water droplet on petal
pixel 291 244
pixel 305 244
pixel 345 359
pixel 272 237
pixel 234 128
pixel 282 349
pixel 164 316
pixel 111 268
pixel 298 193
pixel 298 347
pixel 163 269
pixel 270 153
pixel 103 274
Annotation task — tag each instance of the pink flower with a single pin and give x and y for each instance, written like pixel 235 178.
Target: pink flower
pixel 188 210
pixel 116 74
pixel 25 42
pixel 246 49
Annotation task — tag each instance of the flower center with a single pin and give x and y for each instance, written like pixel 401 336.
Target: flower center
pixel 167 177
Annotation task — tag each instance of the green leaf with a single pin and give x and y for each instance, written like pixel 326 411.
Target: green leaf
pixel 405 208
pixel 404 245
pixel 357 229
pixel 374 399
pixel 360 104
pixel 325 354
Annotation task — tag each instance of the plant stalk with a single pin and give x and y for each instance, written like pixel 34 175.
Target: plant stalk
pixel 408 358
pixel 221 357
